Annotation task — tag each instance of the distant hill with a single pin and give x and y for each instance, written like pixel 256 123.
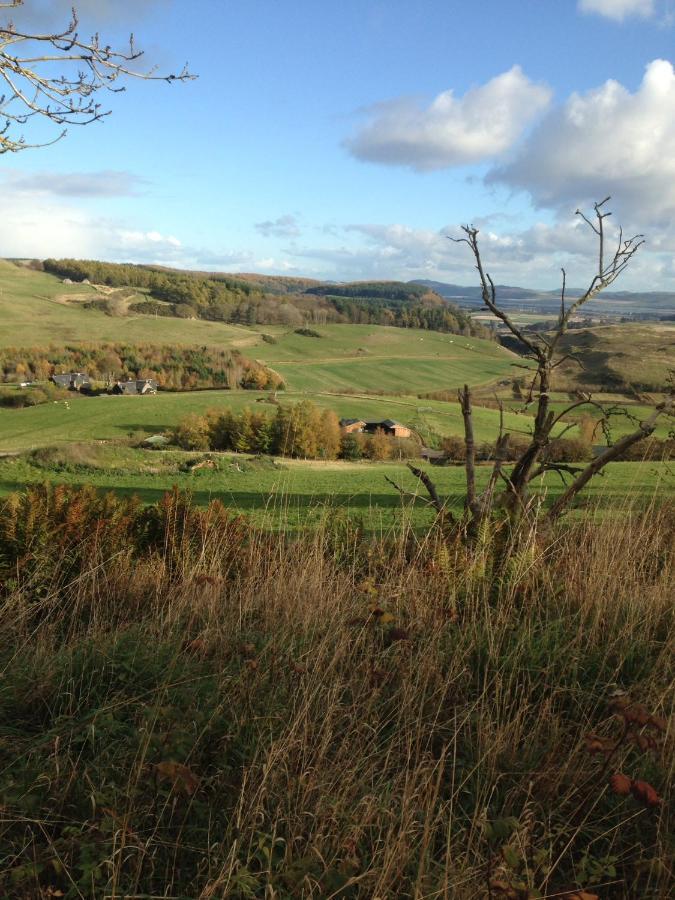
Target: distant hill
pixel 614 303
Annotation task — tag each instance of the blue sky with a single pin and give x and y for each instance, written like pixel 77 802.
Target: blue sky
pixel 347 140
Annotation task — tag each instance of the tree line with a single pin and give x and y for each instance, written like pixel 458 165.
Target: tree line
pixel 174 368
pixel 224 298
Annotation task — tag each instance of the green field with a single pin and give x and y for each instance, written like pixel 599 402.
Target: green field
pixel 295 493
pixel 111 417
pixel 359 371
pixel 38 310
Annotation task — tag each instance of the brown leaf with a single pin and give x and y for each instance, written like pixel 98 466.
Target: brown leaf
pixel 181 778
pixel 644 793
pixel 197 646
pixel 635 714
pixel 595 743
pixel 503 889
pixel 398 634
pixel 657 722
pixel 202 580
pixel 251 664
pixel 642 741
pixel 620 784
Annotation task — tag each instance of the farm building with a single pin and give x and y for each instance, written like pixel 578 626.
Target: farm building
pixel 352 426
pixel 370 426
pixel 74 381
pixel 139 386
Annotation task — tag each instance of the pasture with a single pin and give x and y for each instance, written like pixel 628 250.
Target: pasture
pixel 294 494
pixel 38 310
pixel 111 417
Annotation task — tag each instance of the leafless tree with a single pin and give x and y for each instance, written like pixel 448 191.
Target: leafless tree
pixel 59 77
pixel 542 352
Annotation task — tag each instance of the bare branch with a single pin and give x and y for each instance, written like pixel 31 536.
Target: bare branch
pixel 430 486
pixel 489 292
pixel 60 82
pixel 644 430
pixel 464 398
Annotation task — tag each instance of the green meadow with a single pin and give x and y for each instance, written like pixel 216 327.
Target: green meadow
pixel 297 493
pixel 112 417
pixel 37 309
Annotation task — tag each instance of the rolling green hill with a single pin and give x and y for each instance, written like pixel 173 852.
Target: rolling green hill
pixel 37 309
pixel 620 357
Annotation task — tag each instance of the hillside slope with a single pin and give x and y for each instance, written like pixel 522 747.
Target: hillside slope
pixel 37 309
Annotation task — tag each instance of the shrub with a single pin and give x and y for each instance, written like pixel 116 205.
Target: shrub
pixel 192 433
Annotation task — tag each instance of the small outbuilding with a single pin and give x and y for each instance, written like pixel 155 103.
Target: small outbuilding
pixel 388 426
pixel 371 426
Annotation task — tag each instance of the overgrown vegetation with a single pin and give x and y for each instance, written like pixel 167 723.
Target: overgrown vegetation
pixel 191 707
pixel 20 398
pixel 174 368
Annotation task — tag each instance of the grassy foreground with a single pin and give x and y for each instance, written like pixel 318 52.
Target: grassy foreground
pixel 291 494
pixel 191 708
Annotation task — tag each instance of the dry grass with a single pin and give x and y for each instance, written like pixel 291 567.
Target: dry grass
pixel 235 721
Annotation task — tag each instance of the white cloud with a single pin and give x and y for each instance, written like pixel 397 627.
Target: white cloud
pixel 57 13
pixel 37 225
pixel 530 257
pixel 284 226
pixel 618 10
pixel 451 131
pixel 108 183
pixel 608 141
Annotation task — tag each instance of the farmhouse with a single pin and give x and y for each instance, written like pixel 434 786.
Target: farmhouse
pixel 139 386
pixel 74 381
pixel 370 426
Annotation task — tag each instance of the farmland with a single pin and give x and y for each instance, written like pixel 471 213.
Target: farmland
pixel 298 493
pixel 363 371
pixel 108 418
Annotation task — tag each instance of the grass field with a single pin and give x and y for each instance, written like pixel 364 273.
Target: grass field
pixel 620 355
pixel 295 493
pixel 38 310
pixel 110 417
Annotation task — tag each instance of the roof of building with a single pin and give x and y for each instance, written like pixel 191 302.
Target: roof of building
pixel 136 385
pixel 387 423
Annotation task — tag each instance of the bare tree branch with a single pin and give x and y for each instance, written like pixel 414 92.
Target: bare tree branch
pixel 645 429
pixel 58 76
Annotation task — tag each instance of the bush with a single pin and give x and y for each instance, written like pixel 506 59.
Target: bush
pixel 32 396
pixel 192 433
pixel 308 332
pixel 351 447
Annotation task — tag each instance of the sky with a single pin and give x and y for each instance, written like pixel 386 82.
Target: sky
pixel 351 140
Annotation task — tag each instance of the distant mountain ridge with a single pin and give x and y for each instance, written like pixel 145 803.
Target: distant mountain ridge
pixel 616 302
